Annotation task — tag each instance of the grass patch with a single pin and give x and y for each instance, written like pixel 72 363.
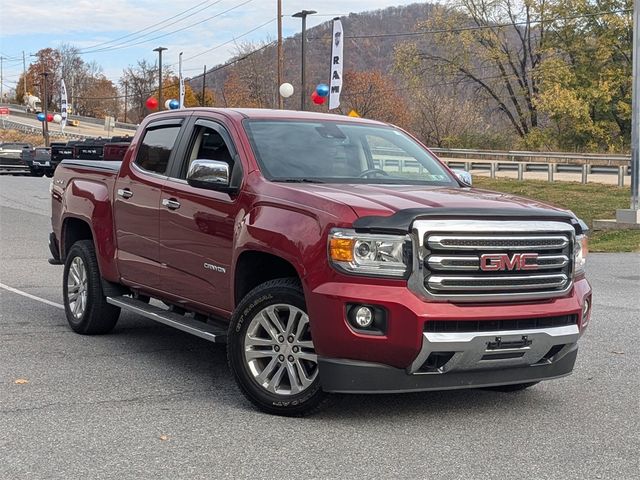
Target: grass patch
pixel 589 202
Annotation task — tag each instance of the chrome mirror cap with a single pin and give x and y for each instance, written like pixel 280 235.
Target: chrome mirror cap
pixel 464 176
pixel 211 174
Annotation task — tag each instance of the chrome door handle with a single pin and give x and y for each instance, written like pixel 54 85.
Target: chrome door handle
pixel 125 193
pixel 171 203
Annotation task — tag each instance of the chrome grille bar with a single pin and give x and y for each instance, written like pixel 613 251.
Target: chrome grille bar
pixel 471 263
pixel 504 283
pixel 493 243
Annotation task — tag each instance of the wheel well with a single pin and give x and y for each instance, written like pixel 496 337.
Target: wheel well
pixel 72 231
pixel 254 268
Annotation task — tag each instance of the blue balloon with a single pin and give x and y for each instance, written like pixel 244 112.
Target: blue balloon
pixel 174 104
pixel 323 90
pixel 41 117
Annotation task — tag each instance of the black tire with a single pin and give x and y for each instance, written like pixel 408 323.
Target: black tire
pixel 48 174
pixel 97 317
pixel 275 292
pixel 516 387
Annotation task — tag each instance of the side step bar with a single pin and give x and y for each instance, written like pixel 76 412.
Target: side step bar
pixel 213 333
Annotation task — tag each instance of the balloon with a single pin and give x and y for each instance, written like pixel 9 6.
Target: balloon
pixel 317 99
pixel 174 104
pixel 323 90
pixel 286 90
pixel 41 117
pixel 152 103
pixel 166 104
pixel 57 118
pixel 49 117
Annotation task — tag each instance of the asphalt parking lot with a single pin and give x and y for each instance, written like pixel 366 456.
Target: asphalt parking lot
pixel 150 402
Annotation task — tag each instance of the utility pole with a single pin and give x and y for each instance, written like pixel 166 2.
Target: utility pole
pixel 280 57
pixel 126 99
pixel 204 83
pixel 1 79
pixel 45 124
pixel 24 73
pixel 303 83
pixel 160 50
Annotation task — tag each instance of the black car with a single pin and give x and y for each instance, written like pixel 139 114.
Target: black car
pixel 38 160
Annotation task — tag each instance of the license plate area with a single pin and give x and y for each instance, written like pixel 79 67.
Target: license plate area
pixel 501 343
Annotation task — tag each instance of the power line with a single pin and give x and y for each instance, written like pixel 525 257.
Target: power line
pixel 128 45
pixel 231 41
pixel 477 27
pixel 150 26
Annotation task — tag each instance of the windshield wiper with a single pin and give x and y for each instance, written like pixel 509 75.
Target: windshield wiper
pixel 299 180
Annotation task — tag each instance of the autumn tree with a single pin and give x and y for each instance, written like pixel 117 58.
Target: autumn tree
pixel 142 81
pixel 494 45
pixel 236 93
pixel 373 95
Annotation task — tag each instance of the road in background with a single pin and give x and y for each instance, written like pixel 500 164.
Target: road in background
pixel 84 128
pixel 150 402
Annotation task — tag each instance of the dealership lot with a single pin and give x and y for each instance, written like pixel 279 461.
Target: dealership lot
pixel 148 401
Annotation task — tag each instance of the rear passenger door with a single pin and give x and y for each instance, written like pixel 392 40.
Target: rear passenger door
pixel 197 225
pixel 137 203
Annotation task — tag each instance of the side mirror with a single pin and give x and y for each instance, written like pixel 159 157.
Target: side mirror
pixel 464 176
pixel 209 174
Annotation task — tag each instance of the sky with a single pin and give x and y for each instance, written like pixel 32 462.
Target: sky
pixel 205 30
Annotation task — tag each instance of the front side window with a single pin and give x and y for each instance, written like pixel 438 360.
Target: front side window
pixel 156 147
pixel 334 152
pixel 208 144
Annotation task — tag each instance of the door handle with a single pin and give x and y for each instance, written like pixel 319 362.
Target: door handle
pixel 171 203
pixel 125 193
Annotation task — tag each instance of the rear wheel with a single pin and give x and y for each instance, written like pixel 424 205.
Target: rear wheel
pixel 85 305
pixel 271 352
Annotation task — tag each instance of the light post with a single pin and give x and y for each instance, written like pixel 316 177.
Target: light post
pixel 635 115
pixel 45 124
pixel 160 50
pixel 303 91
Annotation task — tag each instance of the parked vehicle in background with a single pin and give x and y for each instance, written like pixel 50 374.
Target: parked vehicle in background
pixel 116 148
pixel 11 156
pixel 38 160
pixel 32 104
pixel 324 265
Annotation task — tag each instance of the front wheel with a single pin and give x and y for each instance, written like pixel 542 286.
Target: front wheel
pixel 271 353
pixel 84 302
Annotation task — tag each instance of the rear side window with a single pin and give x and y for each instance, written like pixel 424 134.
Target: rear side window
pixel 155 150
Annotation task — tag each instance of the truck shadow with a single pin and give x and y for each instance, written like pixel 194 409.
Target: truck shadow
pixel 196 362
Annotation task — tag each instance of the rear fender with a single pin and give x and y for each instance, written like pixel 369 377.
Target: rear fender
pixel 90 202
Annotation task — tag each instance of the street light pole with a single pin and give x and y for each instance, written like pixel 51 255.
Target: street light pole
pixel 45 124
pixel 160 50
pixel 635 115
pixel 303 91
pixel 280 56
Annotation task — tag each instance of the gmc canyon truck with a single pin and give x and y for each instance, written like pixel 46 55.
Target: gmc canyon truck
pixel 330 254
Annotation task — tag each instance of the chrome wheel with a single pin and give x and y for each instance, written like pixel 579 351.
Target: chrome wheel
pixel 278 350
pixel 77 288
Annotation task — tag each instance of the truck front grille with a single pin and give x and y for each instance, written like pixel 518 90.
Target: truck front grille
pixel 475 263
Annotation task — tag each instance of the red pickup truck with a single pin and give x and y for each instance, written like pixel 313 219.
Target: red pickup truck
pixel 331 254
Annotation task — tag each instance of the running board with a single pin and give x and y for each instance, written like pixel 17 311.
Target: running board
pixel 213 333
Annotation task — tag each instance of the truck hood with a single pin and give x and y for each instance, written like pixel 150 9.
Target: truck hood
pixel 385 200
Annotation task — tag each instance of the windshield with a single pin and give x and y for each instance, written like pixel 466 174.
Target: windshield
pixel 332 152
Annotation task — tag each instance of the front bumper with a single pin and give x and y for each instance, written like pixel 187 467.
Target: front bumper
pixel 352 376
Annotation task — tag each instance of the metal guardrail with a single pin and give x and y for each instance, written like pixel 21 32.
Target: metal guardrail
pixel 24 128
pixel 585 164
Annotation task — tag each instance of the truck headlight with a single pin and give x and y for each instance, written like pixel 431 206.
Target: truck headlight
pixel 370 254
pixel 580 254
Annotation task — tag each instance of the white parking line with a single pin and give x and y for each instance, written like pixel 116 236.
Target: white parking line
pixel 32 297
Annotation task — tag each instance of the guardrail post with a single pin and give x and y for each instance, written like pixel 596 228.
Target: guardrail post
pixel 585 170
pixel 621 173
pixel 550 169
pixel 492 170
pixel 520 171
pixel 400 164
pixel 467 166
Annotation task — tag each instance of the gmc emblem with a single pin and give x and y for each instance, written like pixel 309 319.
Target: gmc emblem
pixel 493 262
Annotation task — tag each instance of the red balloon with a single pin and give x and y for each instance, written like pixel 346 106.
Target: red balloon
pixel 49 117
pixel 317 99
pixel 152 103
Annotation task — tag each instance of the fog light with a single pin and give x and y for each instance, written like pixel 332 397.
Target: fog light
pixel 364 317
